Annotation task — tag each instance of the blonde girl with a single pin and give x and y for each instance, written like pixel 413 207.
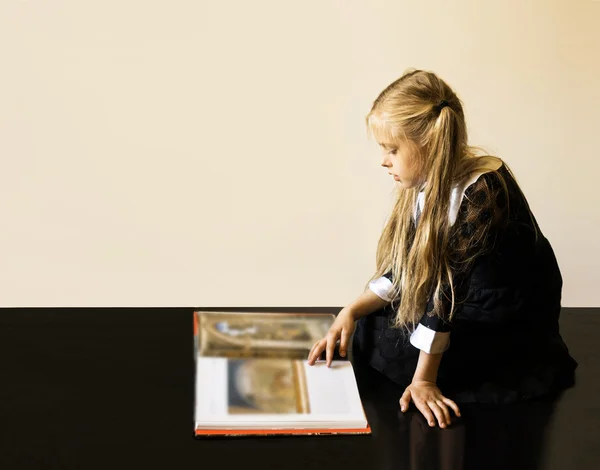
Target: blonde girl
pixel 465 302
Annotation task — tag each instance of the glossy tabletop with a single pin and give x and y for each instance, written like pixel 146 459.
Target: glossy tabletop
pixel 113 388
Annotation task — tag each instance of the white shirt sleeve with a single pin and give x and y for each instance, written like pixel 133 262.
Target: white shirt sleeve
pixel 430 341
pixel 382 287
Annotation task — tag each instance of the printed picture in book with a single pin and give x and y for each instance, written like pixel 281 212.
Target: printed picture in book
pixel 266 386
pixel 247 334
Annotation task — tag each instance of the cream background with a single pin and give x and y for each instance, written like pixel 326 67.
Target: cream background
pixel 213 153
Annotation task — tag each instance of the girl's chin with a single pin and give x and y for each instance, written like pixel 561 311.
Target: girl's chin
pixel 409 184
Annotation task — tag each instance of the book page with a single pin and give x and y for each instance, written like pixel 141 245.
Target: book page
pixel 248 334
pixel 333 390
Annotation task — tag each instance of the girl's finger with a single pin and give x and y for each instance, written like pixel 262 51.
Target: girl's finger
pixel 444 408
pixel 331 340
pixel 316 351
pixel 439 414
pixel 452 405
pixel 405 401
pixel 343 343
pixel 310 353
pixel 319 350
pixel 425 411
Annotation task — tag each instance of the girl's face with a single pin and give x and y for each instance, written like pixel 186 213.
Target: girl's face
pixel 402 163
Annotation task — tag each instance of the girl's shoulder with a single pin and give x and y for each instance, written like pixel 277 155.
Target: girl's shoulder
pixel 478 189
pixel 491 181
pixel 484 170
pixel 486 196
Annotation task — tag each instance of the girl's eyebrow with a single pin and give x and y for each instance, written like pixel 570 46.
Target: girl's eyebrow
pixel 386 145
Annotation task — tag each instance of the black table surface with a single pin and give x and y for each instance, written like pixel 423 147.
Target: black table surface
pixel 113 388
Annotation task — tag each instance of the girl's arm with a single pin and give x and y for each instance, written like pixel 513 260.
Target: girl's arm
pixel 427 367
pixel 367 303
pixel 482 216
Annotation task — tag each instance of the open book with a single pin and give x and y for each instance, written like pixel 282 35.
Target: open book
pixel 252 377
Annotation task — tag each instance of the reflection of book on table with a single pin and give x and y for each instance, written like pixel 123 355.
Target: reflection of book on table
pixel 247 388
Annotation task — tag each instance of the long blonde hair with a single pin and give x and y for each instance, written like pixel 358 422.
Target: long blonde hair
pixel 421 108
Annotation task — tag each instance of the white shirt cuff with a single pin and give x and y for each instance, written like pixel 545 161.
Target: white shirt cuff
pixel 382 287
pixel 430 341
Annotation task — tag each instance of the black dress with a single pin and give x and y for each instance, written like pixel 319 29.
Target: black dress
pixel 503 342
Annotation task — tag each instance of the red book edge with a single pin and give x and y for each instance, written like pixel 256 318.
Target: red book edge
pixel 258 432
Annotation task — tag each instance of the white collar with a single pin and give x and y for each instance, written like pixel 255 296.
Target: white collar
pixel 456 196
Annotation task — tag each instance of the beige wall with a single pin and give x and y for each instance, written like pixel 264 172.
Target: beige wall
pixel 190 153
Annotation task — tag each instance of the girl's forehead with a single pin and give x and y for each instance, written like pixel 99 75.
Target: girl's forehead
pixel 385 138
pixel 383 132
pixel 383 135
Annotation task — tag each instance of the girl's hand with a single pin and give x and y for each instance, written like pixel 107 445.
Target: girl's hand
pixel 342 329
pixel 429 400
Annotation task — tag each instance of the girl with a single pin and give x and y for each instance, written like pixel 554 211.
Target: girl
pixel 467 295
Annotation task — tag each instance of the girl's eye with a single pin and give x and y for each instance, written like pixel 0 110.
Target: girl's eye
pixel 392 151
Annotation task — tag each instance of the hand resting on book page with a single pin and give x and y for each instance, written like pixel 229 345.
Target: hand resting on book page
pixel 344 325
pixel 341 330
